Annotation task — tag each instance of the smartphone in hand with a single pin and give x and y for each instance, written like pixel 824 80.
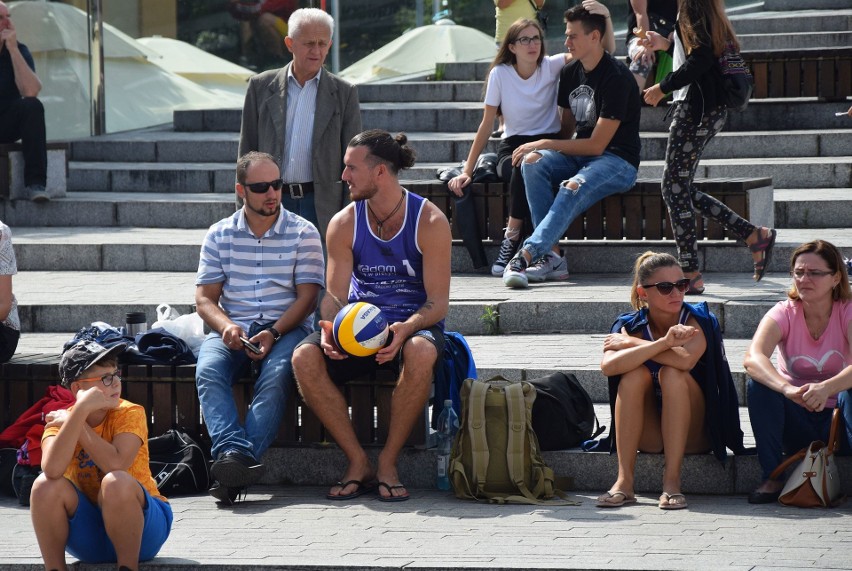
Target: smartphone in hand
pixel 250 346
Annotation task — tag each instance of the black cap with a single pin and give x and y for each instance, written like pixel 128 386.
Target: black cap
pixel 83 355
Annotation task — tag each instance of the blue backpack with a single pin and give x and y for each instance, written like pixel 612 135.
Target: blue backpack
pixel 456 366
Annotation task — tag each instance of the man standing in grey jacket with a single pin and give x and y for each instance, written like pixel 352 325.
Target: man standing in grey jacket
pixel 304 116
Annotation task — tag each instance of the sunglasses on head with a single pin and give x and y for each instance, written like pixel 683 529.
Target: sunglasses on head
pixel 261 187
pixel 666 288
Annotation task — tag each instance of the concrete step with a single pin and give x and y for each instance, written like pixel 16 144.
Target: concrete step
pixel 137 249
pixel 813 208
pixel 792 5
pixel 438 91
pixel 454 117
pixel 591 471
pixel 202 177
pixel 57 301
pixel 439 147
pixel 795 40
pixel 767 114
pixel 156 145
pixel 788 172
pixel 120 209
pixel 793 19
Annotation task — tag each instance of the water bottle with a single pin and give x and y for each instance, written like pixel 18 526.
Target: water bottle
pixel 448 425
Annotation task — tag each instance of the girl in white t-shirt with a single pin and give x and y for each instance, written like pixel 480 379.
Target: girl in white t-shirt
pixel 522 83
pixel 791 404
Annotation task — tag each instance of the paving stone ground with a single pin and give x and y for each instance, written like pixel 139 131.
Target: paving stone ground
pixel 297 528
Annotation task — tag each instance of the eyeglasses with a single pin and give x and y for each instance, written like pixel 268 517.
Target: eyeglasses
pixel 666 288
pixel 107 379
pixel 261 187
pixel 525 41
pixel 811 274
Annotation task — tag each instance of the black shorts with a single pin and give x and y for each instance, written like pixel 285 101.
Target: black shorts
pixel 343 370
pixel 8 342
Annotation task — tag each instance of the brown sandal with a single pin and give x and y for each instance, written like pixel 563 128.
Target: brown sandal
pixel 764 245
pixel 693 289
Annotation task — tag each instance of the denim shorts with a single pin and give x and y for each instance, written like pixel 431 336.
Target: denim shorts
pixel 88 540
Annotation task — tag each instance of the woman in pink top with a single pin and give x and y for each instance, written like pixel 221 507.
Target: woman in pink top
pixel 791 405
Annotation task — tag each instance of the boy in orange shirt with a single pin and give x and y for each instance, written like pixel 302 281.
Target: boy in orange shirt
pixel 96 498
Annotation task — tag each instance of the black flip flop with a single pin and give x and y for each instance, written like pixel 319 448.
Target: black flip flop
pixel 390 489
pixel 359 491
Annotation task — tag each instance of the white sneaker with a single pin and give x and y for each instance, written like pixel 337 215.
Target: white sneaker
pixel 549 268
pixel 514 276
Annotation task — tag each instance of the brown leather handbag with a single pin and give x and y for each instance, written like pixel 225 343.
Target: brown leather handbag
pixel 815 482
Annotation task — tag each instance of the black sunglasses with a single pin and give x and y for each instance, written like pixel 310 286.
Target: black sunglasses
pixel 666 288
pixel 261 187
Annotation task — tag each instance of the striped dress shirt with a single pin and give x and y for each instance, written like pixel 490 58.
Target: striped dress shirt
pixel 301 107
pixel 260 275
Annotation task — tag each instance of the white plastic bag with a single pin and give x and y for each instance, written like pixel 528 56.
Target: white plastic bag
pixel 189 327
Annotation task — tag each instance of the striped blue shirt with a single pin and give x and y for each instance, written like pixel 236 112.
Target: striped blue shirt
pixel 301 107
pixel 260 275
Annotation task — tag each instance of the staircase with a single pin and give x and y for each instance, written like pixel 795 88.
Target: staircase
pixel 127 237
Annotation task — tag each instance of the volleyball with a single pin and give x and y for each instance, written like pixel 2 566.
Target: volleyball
pixel 360 329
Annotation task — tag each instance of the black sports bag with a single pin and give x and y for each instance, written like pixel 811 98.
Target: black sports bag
pixel 563 415
pixel 178 464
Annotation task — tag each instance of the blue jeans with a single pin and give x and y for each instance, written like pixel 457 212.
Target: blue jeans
pixel 598 176
pixel 781 426
pixel 219 368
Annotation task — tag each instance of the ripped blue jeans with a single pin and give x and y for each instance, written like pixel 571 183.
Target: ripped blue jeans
pixel 552 213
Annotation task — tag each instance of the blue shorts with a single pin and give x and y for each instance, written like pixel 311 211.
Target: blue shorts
pixel 88 540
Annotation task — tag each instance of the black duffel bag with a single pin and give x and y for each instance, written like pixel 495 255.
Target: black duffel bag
pixel 178 464
pixel 563 415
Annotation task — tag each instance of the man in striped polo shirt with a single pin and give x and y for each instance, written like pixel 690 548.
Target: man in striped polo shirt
pixel 259 275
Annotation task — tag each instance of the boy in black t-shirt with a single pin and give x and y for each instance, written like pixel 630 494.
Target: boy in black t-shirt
pixel 601 106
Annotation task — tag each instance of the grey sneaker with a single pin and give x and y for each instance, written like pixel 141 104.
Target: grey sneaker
pixel 514 275
pixel 549 268
pixel 37 193
pixel 507 249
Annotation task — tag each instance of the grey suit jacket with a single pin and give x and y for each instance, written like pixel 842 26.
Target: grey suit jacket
pixel 337 120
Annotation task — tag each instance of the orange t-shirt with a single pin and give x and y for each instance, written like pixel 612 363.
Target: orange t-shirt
pixel 83 472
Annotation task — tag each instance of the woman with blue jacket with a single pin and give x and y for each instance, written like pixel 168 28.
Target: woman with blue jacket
pixel 670 385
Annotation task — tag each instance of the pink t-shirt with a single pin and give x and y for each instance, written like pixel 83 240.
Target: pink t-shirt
pixel 805 359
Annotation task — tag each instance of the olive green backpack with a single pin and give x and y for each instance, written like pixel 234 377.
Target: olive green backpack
pixel 495 455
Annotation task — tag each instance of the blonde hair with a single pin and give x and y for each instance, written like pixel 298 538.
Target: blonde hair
pixel 705 22
pixel 828 252
pixel 646 264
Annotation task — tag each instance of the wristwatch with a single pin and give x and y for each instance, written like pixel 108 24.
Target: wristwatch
pixel 275 334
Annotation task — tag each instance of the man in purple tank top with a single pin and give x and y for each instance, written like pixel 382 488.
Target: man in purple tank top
pixel 390 248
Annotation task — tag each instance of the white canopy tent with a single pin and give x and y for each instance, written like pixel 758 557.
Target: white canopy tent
pixel 418 50
pixel 139 93
pixel 195 64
